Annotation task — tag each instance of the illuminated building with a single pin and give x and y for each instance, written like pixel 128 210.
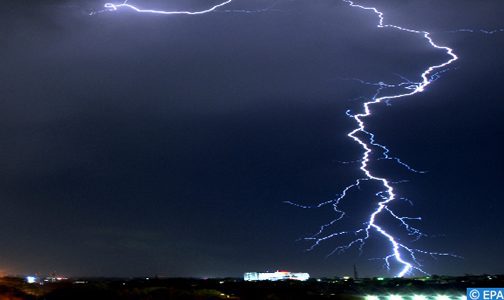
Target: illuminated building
pixel 278 275
pixel 31 279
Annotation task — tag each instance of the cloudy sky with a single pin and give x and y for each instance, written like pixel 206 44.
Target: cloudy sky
pixel 140 144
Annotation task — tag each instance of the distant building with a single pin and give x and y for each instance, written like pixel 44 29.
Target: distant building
pixel 278 275
pixel 32 279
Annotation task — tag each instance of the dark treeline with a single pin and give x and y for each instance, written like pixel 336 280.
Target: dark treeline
pixel 12 288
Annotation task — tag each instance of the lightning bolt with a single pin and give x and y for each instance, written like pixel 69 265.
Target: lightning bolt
pixel 400 253
pixel 114 7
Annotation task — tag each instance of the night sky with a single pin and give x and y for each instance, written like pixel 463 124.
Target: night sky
pixel 137 145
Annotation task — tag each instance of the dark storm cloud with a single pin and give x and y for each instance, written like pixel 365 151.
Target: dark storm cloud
pixel 174 140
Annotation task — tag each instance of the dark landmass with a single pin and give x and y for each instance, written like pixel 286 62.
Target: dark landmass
pixel 16 288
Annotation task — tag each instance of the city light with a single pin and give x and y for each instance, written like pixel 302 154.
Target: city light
pixel 31 279
pixel 395 297
pixel 278 275
pixel 415 297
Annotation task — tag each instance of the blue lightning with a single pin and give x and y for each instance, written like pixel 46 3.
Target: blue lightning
pixel 110 7
pixel 116 6
pixel 398 253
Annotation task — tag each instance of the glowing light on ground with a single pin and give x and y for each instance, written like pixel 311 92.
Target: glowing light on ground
pixel 415 297
pixel 31 279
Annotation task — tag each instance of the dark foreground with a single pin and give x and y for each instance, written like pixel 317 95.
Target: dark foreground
pixel 12 288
